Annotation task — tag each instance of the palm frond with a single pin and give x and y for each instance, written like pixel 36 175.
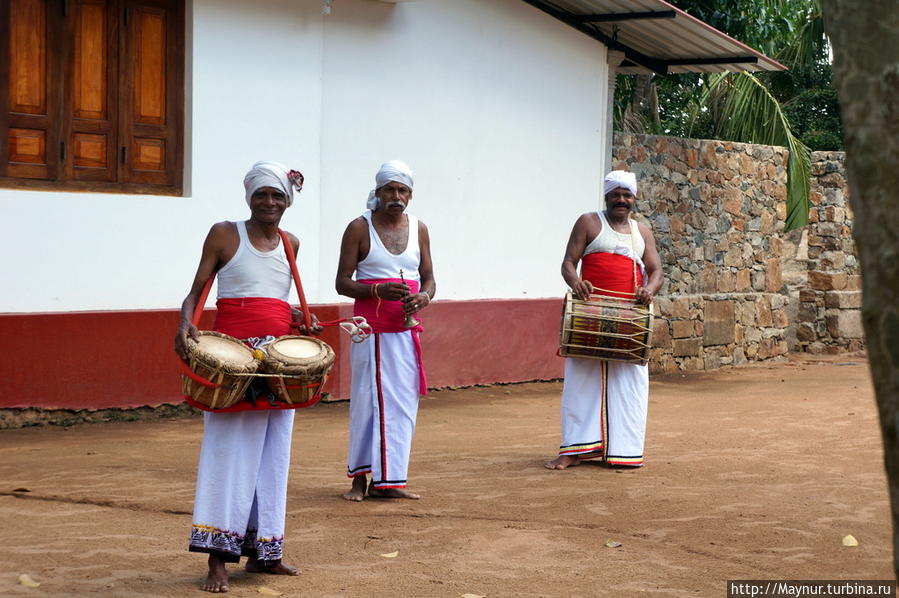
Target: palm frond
pixel 750 114
pixel 810 43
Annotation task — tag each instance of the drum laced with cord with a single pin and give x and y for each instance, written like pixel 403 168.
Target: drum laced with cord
pixel 220 368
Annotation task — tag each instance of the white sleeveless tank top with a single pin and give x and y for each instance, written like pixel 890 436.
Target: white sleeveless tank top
pixel 380 263
pixel 610 240
pixel 254 273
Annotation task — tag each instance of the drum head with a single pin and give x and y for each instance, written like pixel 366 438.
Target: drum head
pixel 225 350
pixel 297 348
pixel 301 358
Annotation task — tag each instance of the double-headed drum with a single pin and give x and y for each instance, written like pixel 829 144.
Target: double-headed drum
pixel 222 360
pixel 606 328
pixel 297 367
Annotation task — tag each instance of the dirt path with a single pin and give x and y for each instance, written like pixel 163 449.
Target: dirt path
pixel 752 473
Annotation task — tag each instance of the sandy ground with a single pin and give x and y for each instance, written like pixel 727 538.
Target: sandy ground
pixel 752 473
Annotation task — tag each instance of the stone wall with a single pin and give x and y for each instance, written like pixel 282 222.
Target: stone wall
pixel 736 288
pixel 830 298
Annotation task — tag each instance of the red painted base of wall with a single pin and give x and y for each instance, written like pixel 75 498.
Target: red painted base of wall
pixel 95 360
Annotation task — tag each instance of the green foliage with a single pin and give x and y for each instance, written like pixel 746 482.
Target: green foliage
pixel 797 108
pixel 769 26
pixel 751 114
pixel 814 109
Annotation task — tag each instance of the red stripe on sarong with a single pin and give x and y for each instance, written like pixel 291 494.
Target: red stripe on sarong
pixel 604 409
pixel 614 461
pixel 381 407
pixel 610 271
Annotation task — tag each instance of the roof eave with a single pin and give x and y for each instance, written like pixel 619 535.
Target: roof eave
pixel 744 58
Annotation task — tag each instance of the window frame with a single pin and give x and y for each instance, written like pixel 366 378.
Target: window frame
pixel 60 86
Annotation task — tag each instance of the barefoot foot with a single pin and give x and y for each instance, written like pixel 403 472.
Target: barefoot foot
pixel 217 580
pixel 279 568
pixel 392 493
pixel 357 492
pixel 562 462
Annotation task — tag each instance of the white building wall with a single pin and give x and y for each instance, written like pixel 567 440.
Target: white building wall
pixel 499 110
pixel 497 107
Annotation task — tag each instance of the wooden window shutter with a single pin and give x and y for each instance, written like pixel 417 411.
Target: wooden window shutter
pixel 30 106
pixel 92 93
pixel 152 92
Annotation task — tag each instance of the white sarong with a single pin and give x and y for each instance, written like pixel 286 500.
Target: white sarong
pixel 383 408
pixel 604 408
pixel 241 498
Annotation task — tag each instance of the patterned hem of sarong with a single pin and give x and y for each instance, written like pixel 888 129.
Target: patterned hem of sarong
pixel 230 546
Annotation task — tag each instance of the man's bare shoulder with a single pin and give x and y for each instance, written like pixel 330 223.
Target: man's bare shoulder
pixel 225 228
pixel 357 226
pixel 586 220
pixel 294 240
pixel 222 232
pixel 644 229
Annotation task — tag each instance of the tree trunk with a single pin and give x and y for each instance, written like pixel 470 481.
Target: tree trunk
pixel 865 38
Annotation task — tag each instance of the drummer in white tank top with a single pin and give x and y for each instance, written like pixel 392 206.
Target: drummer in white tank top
pixel 255 273
pixel 615 232
pixel 610 240
pixel 233 488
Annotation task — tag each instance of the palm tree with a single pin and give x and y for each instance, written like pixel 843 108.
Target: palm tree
pixel 738 106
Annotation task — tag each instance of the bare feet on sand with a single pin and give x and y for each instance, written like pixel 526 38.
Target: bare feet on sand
pixel 562 462
pixel 392 493
pixel 217 580
pixel 279 568
pixel 357 492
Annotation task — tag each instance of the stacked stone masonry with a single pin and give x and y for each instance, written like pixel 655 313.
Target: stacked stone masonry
pixel 829 314
pixel 737 288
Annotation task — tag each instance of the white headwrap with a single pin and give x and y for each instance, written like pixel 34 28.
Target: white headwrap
pixel 275 175
pixel 620 178
pixel 394 170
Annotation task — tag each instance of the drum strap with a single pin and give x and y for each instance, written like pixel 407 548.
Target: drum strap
pixel 291 259
pixel 356 327
pixel 201 302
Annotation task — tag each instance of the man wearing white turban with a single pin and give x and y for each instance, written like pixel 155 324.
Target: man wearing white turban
pixel 604 403
pixel 241 492
pixel 385 265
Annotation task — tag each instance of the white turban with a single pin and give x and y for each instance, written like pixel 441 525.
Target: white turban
pixel 620 178
pixel 394 170
pixel 275 175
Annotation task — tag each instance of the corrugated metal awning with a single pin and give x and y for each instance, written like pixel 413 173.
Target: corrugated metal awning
pixel 657 37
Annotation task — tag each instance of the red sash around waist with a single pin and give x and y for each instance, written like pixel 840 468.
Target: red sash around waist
pixel 610 272
pixel 388 316
pixel 246 317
